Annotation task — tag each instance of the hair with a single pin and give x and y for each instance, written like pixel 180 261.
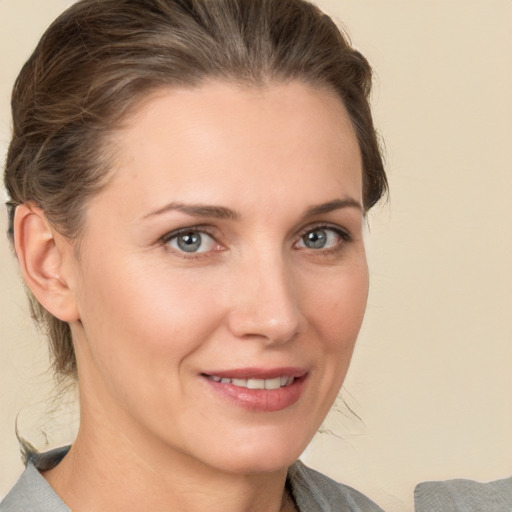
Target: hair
pixel 100 58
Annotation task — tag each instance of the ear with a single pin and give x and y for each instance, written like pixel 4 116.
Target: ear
pixel 44 258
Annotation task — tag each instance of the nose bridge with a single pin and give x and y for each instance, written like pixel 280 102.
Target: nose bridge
pixel 266 302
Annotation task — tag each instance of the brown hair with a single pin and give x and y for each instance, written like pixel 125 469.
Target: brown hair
pixel 101 56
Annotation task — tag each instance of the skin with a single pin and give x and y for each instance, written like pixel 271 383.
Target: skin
pixel 148 320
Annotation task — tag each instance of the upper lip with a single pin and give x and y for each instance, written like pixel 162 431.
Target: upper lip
pixel 258 373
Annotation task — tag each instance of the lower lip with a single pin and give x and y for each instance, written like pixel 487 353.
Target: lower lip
pixel 260 400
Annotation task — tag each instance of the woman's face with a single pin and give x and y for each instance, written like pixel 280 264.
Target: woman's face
pixel 222 277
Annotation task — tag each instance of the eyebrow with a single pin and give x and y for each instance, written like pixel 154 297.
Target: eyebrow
pixel 197 210
pixel 220 212
pixel 330 206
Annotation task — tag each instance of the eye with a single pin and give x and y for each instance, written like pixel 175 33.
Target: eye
pixel 322 238
pixel 191 241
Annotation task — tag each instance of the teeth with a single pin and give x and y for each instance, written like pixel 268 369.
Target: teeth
pixel 276 383
pixel 256 384
pixel 273 383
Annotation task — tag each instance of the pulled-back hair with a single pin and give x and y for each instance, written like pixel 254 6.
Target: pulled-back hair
pixel 101 57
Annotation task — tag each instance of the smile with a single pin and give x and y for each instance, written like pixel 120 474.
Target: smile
pixel 275 383
pixel 259 389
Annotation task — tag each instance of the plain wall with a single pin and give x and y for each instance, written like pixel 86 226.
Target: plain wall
pixel 431 378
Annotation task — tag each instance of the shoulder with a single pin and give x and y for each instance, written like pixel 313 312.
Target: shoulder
pixel 463 496
pixel 32 492
pixel 314 492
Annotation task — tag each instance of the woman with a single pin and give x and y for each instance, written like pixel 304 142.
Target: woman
pixel 189 182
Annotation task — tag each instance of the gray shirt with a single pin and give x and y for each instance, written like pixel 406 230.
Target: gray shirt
pixel 464 496
pixel 312 491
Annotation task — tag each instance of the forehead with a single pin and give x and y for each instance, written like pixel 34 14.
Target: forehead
pixel 220 138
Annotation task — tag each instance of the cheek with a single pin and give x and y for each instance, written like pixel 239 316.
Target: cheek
pixel 144 316
pixel 335 310
pixel 337 305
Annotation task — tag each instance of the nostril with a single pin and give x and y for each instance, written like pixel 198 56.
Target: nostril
pixel 266 326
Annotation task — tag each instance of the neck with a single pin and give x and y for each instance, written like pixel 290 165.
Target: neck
pixel 108 471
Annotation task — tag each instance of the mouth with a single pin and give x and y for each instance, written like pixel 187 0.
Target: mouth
pixel 274 383
pixel 259 389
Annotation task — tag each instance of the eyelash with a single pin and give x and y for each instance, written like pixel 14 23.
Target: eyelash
pixel 343 234
pixel 202 230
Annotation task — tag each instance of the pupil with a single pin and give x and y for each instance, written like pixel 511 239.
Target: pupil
pixel 315 239
pixel 189 242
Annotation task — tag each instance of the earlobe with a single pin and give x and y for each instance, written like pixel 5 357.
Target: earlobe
pixel 42 258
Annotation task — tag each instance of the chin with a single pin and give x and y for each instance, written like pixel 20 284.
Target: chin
pixel 260 463
pixel 268 454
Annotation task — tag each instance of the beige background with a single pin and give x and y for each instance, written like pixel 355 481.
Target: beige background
pixel 431 379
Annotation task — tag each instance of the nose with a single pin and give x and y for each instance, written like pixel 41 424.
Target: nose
pixel 266 304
